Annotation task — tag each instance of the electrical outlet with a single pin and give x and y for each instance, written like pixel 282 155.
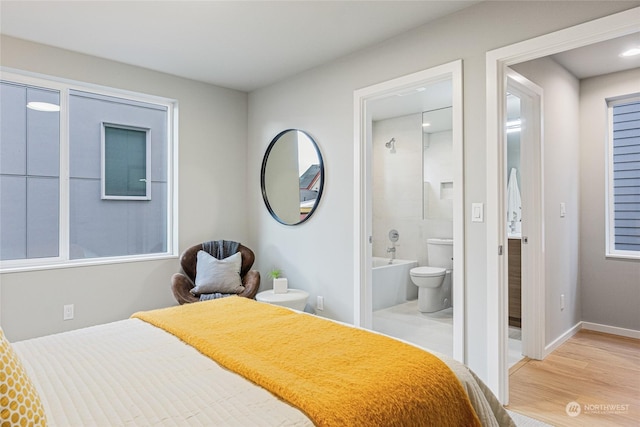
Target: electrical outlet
pixel 68 312
pixel 562 302
pixel 320 303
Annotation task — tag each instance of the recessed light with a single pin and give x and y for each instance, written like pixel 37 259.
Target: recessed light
pixel 43 106
pixel 631 52
pixel 426 125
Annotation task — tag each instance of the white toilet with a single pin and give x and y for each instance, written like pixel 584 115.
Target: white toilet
pixel 434 281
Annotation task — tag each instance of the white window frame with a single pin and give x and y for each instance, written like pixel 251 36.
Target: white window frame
pixel 610 249
pixel 103 158
pixel 65 86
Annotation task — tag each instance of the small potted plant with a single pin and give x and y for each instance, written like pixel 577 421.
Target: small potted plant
pixel 279 283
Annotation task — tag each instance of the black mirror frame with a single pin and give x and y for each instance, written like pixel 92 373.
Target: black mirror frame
pixel 262 177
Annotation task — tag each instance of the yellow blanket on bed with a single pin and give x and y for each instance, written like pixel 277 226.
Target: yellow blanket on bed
pixel 337 375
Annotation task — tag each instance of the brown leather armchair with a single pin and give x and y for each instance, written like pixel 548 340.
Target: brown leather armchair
pixel 181 283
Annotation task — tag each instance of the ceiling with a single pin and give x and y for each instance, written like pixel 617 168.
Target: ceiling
pixel 601 58
pixel 588 61
pixel 242 45
pixel 246 45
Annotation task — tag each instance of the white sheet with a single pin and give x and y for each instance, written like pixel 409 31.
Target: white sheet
pixel 129 373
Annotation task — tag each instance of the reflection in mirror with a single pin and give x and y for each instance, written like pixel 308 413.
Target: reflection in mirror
pixel 437 139
pixel 292 177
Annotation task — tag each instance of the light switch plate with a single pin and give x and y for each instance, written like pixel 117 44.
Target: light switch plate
pixel 477 212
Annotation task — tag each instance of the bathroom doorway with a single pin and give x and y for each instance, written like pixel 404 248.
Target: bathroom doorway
pixel 412 198
pixel 369 102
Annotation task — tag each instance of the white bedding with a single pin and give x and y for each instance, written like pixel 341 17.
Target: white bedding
pixel 129 373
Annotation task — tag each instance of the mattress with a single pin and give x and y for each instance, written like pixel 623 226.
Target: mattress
pixel 130 373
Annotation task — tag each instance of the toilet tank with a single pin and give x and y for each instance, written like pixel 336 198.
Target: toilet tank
pixel 440 253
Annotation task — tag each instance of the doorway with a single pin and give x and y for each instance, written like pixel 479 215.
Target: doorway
pixel 364 103
pixel 498 60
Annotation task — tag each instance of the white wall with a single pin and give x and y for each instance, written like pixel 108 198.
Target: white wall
pixel 438 177
pixel 610 287
pixel 318 255
pixel 397 185
pixel 561 185
pixel 212 191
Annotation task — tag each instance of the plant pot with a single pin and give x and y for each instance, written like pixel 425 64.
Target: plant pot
pixel 280 285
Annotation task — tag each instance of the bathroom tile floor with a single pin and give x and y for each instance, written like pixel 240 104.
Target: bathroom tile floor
pixel 433 331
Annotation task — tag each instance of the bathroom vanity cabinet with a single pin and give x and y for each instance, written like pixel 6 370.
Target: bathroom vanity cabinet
pixel 515 280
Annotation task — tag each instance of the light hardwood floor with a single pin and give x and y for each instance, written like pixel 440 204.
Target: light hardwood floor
pixel 600 372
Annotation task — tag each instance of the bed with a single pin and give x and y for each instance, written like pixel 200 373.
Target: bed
pixel 142 371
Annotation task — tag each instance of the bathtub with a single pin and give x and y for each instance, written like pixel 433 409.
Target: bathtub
pixel 392 284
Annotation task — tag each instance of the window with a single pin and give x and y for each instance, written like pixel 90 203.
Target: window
pixel 125 156
pixel 624 178
pixel 85 174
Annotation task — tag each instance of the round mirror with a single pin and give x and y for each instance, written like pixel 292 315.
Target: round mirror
pixel 292 177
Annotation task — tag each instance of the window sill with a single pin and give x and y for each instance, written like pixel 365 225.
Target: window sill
pixel 87 262
pixel 623 257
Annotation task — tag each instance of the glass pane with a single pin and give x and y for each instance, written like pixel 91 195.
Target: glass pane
pixel 133 219
pixel 29 172
pixel 626 176
pixel 125 162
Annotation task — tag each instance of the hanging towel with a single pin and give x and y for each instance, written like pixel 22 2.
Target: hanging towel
pixel 514 203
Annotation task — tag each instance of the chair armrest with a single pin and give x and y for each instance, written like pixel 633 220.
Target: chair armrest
pixel 251 284
pixel 180 286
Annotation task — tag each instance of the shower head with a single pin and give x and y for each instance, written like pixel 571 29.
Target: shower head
pixel 391 144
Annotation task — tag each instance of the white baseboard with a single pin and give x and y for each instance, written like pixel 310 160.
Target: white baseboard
pixel 613 330
pixel 561 339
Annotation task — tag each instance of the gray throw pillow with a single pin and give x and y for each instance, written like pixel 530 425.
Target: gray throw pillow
pixel 218 275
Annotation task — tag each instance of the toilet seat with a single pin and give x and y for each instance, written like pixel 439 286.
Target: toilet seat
pixel 427 271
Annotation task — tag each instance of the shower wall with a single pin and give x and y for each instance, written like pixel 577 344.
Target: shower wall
pixel 398 187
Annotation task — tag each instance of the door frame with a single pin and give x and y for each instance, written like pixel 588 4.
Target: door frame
pixel 363 210
pixel 602 29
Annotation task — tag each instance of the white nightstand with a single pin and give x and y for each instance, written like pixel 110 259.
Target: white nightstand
pixel 293 298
